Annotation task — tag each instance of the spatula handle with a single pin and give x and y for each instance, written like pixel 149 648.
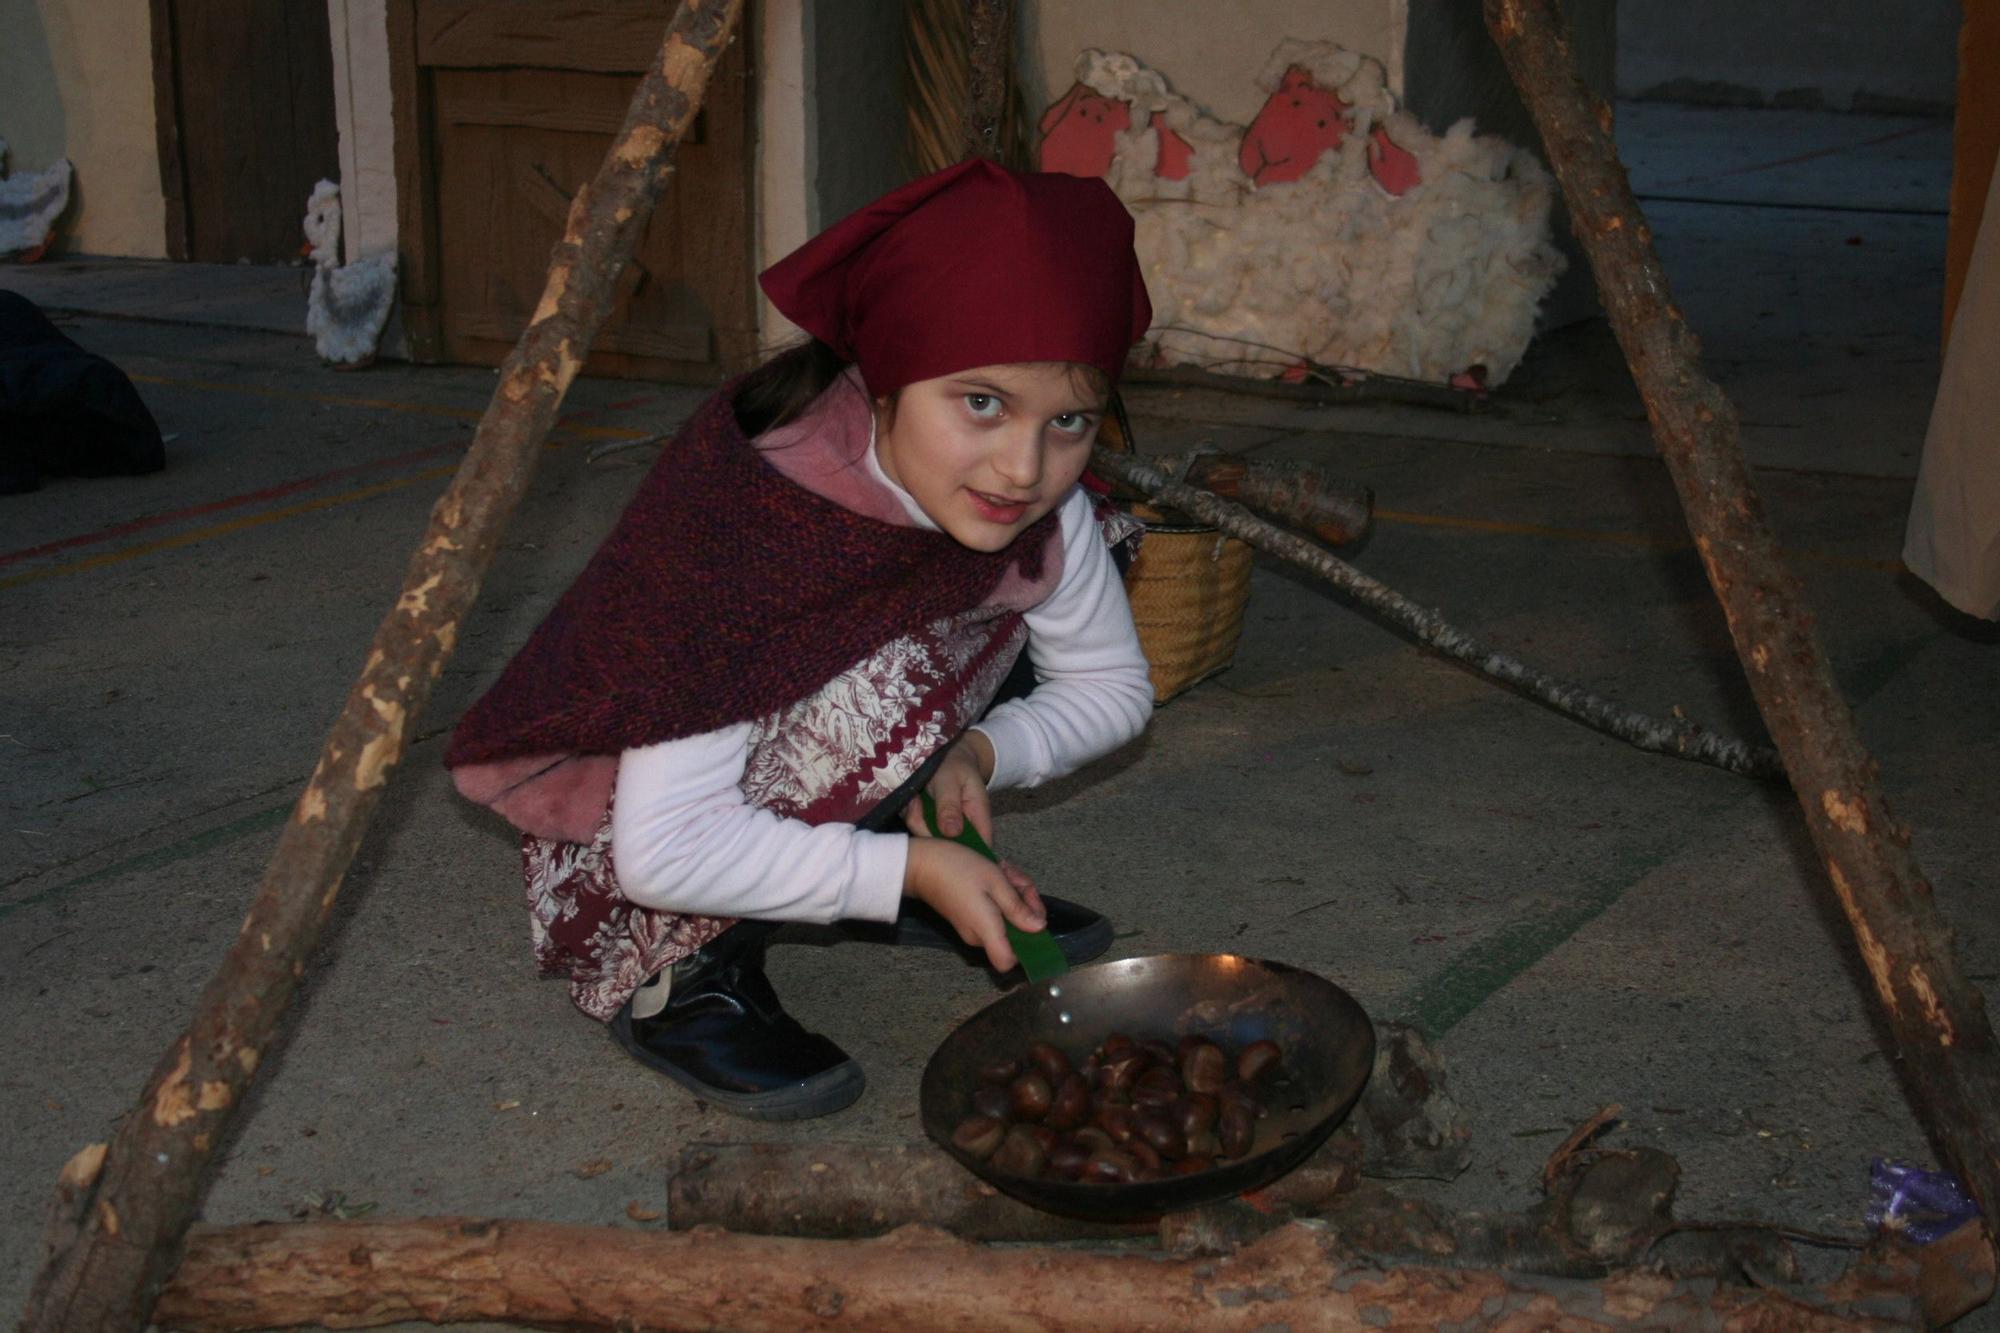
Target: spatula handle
pixel 1041 957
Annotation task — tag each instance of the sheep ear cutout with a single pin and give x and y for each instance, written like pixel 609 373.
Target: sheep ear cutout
pixel 1175 154
pixel 1393 166
pixel 1054 115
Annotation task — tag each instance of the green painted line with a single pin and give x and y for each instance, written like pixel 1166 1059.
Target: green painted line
pixel 1439 1001
pixel 220 836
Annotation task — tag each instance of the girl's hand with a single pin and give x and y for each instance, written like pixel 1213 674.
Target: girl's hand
pixel 959 788
pixel 975 895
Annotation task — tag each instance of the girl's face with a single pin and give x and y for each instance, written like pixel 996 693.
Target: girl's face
pixel 987 451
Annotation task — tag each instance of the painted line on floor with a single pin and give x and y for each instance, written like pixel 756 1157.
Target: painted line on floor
pixel 1437 1003
pixel 195 845
pixel 233 502
pixel 386 405
pixel 564 428
pixel 243 524
pixel 1667 545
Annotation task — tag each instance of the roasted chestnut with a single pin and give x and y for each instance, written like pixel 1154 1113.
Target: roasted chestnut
pixel 1053 1063
pixel 1156 1087
pixel 1255 1058
pixel 1160 1130
pixel 1071 1106
pixel 1204 1068
pixel 994 1100
pixel 1196 1113
pixel 1020 1153
pixel 1032 1096
pixel 979 1135
pixel 1120 1122
pixel 999 1071
pixel 1068 1159
pixel 1234 1129
pixel 1108 1168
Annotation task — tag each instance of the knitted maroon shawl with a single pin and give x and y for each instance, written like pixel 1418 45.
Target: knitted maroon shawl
pixel 725 592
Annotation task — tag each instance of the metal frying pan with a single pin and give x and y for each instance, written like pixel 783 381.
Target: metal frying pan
pixel 1327 1041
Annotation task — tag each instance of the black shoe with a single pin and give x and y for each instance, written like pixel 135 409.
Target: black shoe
pixel 1080 933
pixel 725 1038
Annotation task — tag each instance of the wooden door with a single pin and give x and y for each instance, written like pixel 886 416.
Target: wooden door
pixel 520 101
pixel 244 94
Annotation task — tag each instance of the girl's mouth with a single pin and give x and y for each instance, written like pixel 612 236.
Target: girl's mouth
pixel 997 509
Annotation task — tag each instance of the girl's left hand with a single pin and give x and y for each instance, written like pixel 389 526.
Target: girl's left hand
pixel 959 789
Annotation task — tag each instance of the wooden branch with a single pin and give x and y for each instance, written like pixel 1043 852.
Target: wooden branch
pixel 989 42
pixel 457 1270
pixel 1298 495
pixel 1949 1054
pixel 120 1218
pixel 1327 387
pixel 1681 739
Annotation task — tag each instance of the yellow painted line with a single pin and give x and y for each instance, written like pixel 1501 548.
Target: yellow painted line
pixel 380 405
pixel 234 525
pixel 1632 539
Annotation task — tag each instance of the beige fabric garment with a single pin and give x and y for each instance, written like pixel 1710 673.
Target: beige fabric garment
pixel 1953 541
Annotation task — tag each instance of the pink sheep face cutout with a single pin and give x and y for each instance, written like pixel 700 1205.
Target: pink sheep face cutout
pixel 1300 121
pixel 1080 133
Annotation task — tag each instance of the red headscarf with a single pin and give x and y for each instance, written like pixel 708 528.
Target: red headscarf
pixel 975 265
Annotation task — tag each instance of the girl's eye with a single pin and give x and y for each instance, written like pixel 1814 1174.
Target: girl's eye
pixel 982 405
pixel 1071 423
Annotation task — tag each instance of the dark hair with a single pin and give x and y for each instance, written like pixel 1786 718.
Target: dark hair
pixel 783 387
pixel 777 391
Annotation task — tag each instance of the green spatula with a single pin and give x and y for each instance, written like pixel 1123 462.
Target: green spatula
pixel 1041 957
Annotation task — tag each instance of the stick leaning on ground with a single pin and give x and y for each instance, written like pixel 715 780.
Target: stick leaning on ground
pixel 121 1210
pixel 1682 739
pixel 1950 1056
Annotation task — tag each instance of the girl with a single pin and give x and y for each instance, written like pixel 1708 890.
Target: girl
pixel 817 589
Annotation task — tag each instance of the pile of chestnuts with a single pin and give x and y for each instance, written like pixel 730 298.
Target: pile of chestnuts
pixel 1133 1111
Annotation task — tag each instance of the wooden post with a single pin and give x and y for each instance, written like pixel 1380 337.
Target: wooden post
pixel 121 1213
pixel 1937 1016
pixel 989 47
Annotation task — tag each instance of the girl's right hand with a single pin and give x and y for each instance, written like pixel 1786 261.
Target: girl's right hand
pixel 974 894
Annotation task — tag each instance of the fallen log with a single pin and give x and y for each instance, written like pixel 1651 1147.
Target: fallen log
pixel 1676 737
pixel 459 1270
pixel 1950 1058
pixel 120 1212
pixel 853 1190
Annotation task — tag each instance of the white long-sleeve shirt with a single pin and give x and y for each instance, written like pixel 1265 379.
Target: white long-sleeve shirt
pixel 684 838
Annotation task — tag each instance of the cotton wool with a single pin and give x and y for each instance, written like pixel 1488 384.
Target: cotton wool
pixel 1330 267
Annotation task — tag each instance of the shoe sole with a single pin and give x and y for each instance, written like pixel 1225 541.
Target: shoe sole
pixel 822 1094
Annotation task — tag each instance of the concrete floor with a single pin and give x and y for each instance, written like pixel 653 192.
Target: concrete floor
pixel 1575 922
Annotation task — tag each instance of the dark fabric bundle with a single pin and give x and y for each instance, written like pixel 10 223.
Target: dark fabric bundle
pixel 725 592
pixel 65 411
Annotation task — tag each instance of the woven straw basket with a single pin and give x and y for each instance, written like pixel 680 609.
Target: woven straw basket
pixel 1188 587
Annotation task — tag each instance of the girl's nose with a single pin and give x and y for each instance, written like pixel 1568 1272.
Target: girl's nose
pixel 1019 460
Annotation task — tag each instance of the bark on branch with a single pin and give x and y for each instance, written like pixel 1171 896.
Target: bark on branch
pixel 989 45
pixel 1676 737
pixel 1938 1017
pixel 120 1214
pixel 456 1270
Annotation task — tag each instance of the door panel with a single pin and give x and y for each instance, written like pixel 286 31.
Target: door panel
pixel 523 103
pixel 253 100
